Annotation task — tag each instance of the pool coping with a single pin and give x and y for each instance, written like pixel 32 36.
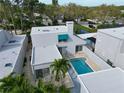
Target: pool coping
pixel 89 65
pixel 85 62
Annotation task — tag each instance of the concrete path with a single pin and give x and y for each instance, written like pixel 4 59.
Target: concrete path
pixel 27 68
pixel 76 88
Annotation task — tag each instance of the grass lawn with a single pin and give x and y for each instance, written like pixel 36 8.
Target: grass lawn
pixel 78 27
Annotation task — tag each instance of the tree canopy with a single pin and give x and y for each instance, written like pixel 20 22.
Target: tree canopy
pixel 19 14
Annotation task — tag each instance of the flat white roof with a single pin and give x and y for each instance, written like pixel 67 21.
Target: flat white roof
pixel 15 40
pixel 87 35
pixel 107 81
pixel 48 29
pixel 44 55
pixel 115 32
pixel 9 54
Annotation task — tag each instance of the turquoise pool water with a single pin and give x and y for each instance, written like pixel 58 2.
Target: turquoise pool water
pixel 80 66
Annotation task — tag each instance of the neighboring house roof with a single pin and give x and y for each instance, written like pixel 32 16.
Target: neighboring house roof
pixel 45 16
pixel 9 52
pixel 8 55
pixel 115 32
pixel 36 14
pixel 59 17
pixel 45 55
pixel 105 81
pixel 122 11
pixel 87 35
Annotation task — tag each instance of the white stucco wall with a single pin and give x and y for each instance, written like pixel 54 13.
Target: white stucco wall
pixel 100 62
pixel 3 38
pixel 107 46
pixel 83 88
pixel 41 66
pixel 18 68
pixel 72 43
pixel 71 47
pixel 45 39
pixel 70 27
pixel 112 48
pixel 8 34
pixel 119 61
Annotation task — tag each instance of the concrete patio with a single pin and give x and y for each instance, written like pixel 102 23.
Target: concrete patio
pixel 92 64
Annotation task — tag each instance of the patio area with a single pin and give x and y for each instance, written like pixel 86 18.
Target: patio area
pixel 92 64
pixel 67 81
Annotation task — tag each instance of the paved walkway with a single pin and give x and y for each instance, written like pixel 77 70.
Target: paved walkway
pixel 76 88
pixel 27 68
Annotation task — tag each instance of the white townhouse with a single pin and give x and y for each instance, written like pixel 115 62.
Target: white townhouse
pixel 12 53
pixel 105 81
pixel 110 45
pixel 50 42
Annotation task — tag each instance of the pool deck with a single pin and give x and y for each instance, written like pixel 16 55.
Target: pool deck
pixel 92 64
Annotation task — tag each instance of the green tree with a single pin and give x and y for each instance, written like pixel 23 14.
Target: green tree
pixel 59 68
pixel 17 84
pixel 19 11
pixel 63 89
pixel 30 6
pixel 55 2
pixel 7 15
pixel 45 87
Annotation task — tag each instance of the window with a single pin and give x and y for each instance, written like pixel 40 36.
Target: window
pixel 63 38
pixel 39 73
pixel 78 48
pixel 42 73
pixel 46 30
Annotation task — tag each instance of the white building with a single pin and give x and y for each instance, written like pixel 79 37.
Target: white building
pixel 46 20
pixel 105 81
pixel 12 53
pixel 53 40
pixel 110 45
pixel 62 36
pixel 42 59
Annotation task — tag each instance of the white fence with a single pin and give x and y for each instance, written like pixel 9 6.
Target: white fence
pixel 100 62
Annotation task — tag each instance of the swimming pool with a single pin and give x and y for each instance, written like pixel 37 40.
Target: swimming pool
pixel 80 66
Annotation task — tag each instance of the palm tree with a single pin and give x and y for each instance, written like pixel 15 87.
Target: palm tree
pixel 17 84
pixel 59 68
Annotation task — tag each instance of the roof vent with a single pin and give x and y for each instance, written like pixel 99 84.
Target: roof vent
pixel 12 41
pixel 8 65
pixel 45 30
pixel 57 28
pixel 14 52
